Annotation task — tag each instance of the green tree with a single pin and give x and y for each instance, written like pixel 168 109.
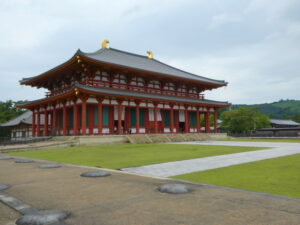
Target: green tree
pixel 8 111
pixel 296 117
pixel 244 119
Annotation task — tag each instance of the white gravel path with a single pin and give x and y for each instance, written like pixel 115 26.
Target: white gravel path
pixel 188 166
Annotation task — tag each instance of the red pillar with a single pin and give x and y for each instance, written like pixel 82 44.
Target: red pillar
pixel 38 128
pixel 33 123
pixel 75 118
pixel 83 117
pixel 45 122
pixel 207 122
pixel 198 121
pixel 54 128
pixel 100 115
pixel 51 124
pixel 64 120
pixel 172 119
pixel 120 117
pixel 186 123
pixel 215 121
pixel 155 111
pixel 137 113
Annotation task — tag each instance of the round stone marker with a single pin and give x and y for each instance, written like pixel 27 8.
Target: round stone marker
pixel 49 166
pixel 24 161
pixel 3 187
pixel 42 217
pixel 5 157
pixel 95 174
pixel 174 188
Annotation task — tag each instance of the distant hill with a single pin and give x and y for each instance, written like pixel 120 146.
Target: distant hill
pixel 283 109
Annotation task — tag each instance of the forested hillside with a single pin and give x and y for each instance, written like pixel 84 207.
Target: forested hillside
pixel 283 109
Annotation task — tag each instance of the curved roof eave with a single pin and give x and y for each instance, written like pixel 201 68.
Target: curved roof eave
pixel 123 93
pixel 30 79
pixel 204 80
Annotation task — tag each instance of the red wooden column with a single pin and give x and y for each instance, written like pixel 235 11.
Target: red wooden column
pixel 75 117
pixel 45 121
pixel 172 118
pixel 54 128
pixel 33 123
pixel 186 123
pixel 64 119
pixel 100 125
pixel 215 121
pixel 155 111
pixel 83 115
pixel 137 113
pixel 38 127
pixel 207 122
pixel 120 116
pixel 198 121
pixel 51 123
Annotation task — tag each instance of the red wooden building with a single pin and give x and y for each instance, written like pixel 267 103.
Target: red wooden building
pixel 117 92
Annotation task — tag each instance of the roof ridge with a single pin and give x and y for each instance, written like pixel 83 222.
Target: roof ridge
pixel 146 57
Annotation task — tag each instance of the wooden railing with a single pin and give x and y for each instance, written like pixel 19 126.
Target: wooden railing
pixel 136 88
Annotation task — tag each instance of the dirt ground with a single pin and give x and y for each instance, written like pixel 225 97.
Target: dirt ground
pixel 126 199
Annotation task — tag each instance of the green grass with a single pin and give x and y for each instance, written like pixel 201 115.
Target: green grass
pixel 276 176
pixel 127 155
pixel 264 140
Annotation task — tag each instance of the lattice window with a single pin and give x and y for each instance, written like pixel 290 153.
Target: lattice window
pixel 154 84
pixel 169 86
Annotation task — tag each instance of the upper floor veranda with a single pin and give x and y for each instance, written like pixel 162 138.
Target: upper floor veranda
pixel 133 83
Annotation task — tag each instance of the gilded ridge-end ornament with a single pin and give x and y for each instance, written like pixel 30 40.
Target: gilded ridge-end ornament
pixel 76 92
pixel 104 44
pixel 150 54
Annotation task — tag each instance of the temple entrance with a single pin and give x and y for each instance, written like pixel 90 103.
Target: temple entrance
pixel 181 127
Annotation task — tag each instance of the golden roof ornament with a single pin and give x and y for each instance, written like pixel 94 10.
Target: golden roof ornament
pixel 104 44
pixel 76 91
pixel 150 54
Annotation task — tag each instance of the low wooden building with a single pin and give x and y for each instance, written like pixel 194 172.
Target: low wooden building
pixel 21 126
pixel 278 123
pixel 116 92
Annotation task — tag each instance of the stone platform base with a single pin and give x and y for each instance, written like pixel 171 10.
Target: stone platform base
pixel 67 141
pixel 147 138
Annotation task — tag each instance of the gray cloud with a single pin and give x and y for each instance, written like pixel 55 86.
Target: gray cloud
pixel 252 44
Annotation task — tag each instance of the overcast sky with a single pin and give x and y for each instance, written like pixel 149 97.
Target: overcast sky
pixel 252 44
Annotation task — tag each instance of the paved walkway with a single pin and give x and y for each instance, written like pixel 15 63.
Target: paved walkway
pixel 126 199
pixel 193 165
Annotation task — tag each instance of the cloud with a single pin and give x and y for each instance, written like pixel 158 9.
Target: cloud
pixel 252 44
pixel 223 19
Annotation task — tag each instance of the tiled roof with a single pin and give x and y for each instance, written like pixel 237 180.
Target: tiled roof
pixel 127 59
pixel 134 61
pixel 284 122
pixel 25 118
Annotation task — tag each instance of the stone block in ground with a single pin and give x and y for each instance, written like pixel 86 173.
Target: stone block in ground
pixel 43 218
pixel 49 166
pixel 95 174
pixel 24 161
pixel 174 188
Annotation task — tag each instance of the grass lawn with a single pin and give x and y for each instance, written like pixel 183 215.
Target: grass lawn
pixel 276 176
pixel 264 140
pixel 128 155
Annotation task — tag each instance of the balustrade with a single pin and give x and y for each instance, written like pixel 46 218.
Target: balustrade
pixel 122 86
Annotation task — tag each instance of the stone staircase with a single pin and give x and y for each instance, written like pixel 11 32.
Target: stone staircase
pixel 163 138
